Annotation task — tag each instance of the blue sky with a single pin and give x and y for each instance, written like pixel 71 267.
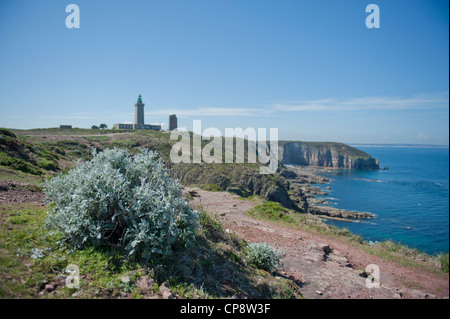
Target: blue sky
pixel 312 69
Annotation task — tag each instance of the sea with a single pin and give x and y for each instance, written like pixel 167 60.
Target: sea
pixel 410 199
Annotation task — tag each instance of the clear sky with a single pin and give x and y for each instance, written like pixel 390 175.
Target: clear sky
pixel 312 69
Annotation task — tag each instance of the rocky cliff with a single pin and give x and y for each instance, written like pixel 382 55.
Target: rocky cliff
pixel 241 180
pixel 326 154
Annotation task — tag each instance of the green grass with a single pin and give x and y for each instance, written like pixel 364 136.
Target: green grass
pixel 72 131
pixel 213 267
pixel 443 260
pixel 277 213
pixel 22 232
pixel 6 132
pixel 388 250
pixel 19 164
pixel 209 187
pixel 48 165
pixel 10 174
pixel 18 154
pixel 217 268
pixel 407 256
pixel 69 144
pixel 127 143
pixel 97 138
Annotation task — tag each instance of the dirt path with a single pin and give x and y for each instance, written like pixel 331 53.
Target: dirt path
pixel 16 192
pixel 325 266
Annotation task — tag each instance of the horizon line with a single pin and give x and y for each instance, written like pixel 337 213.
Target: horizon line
pixel 284 140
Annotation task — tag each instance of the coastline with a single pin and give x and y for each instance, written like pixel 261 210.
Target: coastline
pixel 306 177
pixel 400 145
pixel 410 201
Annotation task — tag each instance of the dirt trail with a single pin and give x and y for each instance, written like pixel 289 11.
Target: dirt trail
pixel 325 266
pixel 16 192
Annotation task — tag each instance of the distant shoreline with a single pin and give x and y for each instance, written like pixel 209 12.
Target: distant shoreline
pixel 399 145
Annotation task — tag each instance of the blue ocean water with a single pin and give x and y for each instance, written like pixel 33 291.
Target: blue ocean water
pixel 410 200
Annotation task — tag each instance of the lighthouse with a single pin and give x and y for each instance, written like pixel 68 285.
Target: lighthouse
pixel 139 113
pixel 139 123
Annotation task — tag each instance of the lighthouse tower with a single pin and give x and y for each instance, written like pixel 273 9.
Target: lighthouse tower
pixel 139 113
pixel 139 123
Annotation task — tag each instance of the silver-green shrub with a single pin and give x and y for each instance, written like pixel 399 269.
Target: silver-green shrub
pixel 263 256
pixel 127 201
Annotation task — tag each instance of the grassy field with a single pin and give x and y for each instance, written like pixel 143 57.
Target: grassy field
pixel 214 267
pixel 31 257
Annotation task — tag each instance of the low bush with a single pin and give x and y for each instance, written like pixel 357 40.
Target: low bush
pixel 210 187
pixel 6 132
pixel 443 260
pixel 263 256
pixel 274 211
pixel 126 201
pixel 18 164
pixel 48 165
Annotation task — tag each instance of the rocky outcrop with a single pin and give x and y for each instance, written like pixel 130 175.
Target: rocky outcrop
pixel 336 213
pixel 12 147
pixel 304 191
pixel 325 154
pixel 287 187
pixel 241 180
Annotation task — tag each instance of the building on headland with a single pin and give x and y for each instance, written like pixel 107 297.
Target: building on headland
pixel 173 122
pixel 65 127
pixel 139 123
pixel 139 112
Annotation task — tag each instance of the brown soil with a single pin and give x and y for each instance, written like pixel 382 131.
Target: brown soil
pixel 326 267
pixel 16 192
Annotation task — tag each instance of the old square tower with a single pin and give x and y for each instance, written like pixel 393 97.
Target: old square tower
pixel 139 123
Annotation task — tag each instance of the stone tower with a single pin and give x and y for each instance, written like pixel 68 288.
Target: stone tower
pixel 139 112
pixel 173 122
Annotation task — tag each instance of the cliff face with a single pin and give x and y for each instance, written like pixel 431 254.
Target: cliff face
pixel 241 180
pixel 323 154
